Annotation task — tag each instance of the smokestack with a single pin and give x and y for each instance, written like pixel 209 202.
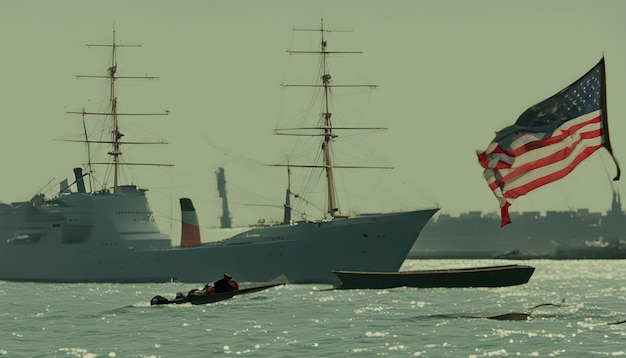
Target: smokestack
pixel 78 174
pixel 190 235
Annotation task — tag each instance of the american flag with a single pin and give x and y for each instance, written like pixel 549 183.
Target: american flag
pixel 548 140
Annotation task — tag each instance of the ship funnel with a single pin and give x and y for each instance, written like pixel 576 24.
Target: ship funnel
pixel 190 235
pixel 78 174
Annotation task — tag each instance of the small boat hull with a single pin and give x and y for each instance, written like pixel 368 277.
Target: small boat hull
pixel 211 298
pixel 490 276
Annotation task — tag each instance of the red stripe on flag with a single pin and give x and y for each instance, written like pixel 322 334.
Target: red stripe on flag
pixel 504 214
pixel 493 185
pixel 563 132
pixel 554 157
pixel 526 188
pixel 505 158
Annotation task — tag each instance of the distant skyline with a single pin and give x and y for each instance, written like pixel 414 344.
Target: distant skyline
pixel 449 75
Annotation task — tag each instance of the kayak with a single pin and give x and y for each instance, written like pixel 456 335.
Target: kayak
pixel 202 299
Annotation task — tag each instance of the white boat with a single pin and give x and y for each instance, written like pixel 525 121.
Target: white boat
pixel 110 235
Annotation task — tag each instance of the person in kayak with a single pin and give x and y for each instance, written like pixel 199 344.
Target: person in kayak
pixel 208 289
pixel 225 284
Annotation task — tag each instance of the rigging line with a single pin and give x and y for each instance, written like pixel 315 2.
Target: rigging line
pixel 301 143
pixel 285 76
pixel 45 186
pixel 312 182
pixel 566 198
pixel 606 170
pixel 238 191
pixel 199 133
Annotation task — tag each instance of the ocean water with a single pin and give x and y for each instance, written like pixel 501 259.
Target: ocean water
pixel 116 320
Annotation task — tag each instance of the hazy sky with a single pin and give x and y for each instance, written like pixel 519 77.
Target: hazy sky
pixel 450 73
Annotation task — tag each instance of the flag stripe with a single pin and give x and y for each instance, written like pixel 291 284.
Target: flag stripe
pixel 529 142
pixel 553 153
pixel 541 172
pixel 553 159
pixel 521 177
pixel 515 192
pixel 502 159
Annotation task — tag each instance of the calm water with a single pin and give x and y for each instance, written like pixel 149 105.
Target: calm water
pixel 116 320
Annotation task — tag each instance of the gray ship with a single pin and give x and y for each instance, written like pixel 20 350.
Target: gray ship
pixel 110 235
pixel 579 234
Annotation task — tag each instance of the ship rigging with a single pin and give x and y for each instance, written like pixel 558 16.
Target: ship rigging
pixel 116 141
pixel 326 130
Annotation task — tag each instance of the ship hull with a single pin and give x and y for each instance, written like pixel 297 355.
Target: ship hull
pixel 304 252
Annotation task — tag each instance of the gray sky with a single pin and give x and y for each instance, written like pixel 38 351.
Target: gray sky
pixel 450 73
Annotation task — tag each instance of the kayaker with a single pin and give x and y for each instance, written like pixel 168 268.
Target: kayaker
pixel 225 284
pixel 208 289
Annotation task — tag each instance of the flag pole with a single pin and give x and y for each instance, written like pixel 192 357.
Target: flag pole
pixel 605 120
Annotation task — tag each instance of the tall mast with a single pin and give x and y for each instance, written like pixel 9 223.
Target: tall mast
pixel 327 127
pixel 328 130
pixel 116 152
pixel 116 136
